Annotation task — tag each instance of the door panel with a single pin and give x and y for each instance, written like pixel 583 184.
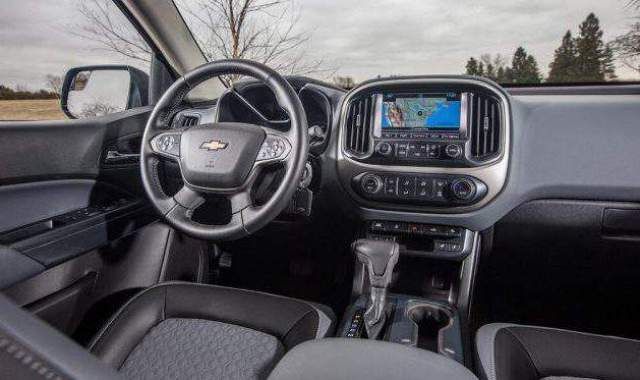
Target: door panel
pixel 61 197
pixel 45 150
pixel 68 217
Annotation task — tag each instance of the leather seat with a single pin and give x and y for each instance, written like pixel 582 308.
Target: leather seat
pixel 191 331
pixel 509 352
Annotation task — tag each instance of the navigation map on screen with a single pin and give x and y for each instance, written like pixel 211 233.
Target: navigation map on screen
pixel 430 111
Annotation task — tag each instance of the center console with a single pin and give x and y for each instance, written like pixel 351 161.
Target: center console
pixel 426 296
pixel 420 157
pixel 435 143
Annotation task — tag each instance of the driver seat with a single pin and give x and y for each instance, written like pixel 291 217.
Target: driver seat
pixel 190 331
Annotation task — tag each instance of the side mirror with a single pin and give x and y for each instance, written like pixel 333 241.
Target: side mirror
pixel 90 91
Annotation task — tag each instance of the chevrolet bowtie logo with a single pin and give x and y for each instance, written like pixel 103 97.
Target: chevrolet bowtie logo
pixel 214 145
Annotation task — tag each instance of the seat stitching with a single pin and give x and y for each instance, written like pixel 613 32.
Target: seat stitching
pixel 118 314
pixel 163 318
pixel 574 332
pixel 115 318
pixel 296 322
pixel 164 306
pixel 529 354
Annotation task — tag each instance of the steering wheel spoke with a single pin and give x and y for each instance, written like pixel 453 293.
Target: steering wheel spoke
pixel 188 198
pixel 167 144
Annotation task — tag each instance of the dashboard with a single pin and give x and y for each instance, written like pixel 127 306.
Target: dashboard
pixel 453 150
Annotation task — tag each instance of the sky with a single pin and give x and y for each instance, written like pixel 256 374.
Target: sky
pixel 393 37
pixel 359 38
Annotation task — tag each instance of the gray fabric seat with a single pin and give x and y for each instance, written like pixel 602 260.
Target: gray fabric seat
pixel 510 352
pixel 194 331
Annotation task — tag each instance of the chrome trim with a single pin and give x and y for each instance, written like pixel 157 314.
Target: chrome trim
pixel 467 278
pixel 464 115
pixel 377 116
pixel 468 143
pixel 343 121
pixel 493 173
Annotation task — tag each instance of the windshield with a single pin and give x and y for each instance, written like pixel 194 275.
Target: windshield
pixel 349 41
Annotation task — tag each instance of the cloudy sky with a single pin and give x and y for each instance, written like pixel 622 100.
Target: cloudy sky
pixel 438 36
pixel 362 38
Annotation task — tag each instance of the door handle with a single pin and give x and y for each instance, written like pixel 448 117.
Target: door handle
pixel 115 156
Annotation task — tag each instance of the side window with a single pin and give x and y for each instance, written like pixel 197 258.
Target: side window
pixel 69 59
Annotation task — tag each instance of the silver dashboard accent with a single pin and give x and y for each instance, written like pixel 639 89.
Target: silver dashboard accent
pixel 464 114
pixel 493 173
pixel 377 116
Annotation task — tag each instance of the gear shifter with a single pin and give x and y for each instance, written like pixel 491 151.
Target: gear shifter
pixel 379 257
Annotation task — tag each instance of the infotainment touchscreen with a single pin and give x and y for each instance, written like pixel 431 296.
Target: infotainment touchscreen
pixel 418 111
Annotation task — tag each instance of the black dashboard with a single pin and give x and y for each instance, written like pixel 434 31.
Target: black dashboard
pixel 493 149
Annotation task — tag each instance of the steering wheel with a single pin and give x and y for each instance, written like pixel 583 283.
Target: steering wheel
pixel 223 158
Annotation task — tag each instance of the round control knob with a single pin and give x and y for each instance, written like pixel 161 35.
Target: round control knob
pixel 453 150
pixel 371 183
pixel 384 148
pixel 463 189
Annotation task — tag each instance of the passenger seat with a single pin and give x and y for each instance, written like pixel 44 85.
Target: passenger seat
pixel 517 352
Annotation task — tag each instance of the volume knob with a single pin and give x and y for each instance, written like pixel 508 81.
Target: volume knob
pixel 463 189
pixel 453 150
pixel 384 148
pixel 371 183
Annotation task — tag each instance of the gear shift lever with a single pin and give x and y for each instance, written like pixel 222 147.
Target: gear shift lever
pixel 379 257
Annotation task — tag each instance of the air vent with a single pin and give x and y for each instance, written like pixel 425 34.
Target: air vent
pixel 184 121
pixel 484 127
pixel 358 126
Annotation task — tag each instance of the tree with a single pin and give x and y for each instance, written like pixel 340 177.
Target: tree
pixel 492 67
pixel 594 60
pixel 54 84
pixel 102 24
pixel 472 67
pixel 608 66
pixel 524 67
pixel 626 47
pixel 498 67
pixel 266 31
pixel 563 66
pixel 346 82
pixel 98 108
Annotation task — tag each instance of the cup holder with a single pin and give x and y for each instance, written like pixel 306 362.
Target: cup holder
pixel 430 320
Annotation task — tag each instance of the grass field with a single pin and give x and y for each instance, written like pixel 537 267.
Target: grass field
pixel 48 109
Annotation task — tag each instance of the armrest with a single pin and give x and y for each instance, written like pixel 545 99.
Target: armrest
pixel 337 358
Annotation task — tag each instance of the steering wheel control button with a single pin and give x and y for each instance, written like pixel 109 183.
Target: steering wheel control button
pixel 372 184
pixel 273 147
pixel 168 144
